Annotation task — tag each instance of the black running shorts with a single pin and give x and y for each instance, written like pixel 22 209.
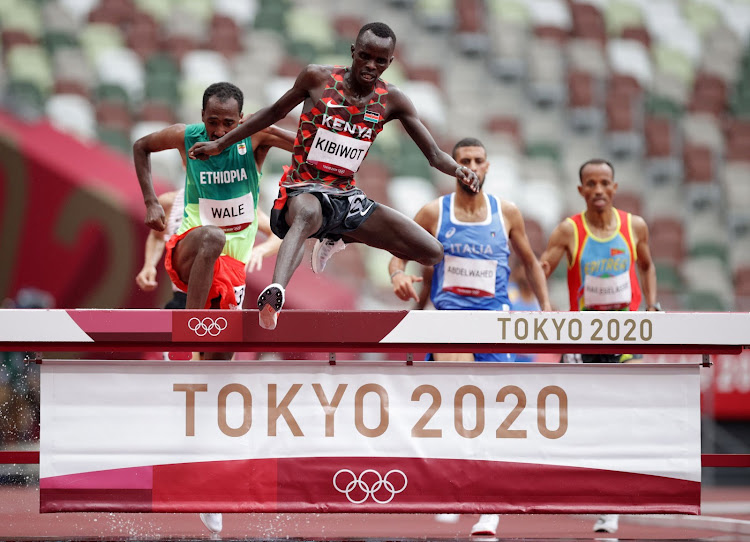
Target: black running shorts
pixel 343 211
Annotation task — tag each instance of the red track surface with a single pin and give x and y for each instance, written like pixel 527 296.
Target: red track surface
pixel 19 517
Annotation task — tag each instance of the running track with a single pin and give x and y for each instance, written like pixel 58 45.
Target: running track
pixel 20 520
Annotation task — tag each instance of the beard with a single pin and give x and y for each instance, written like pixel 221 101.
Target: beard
pixel 468 190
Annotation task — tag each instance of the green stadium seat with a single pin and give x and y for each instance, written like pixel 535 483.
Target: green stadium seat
pixel 705 302
pixel 116 139
pixel 668 277
pixel 30 63
pixel 24 98
pixel 98 37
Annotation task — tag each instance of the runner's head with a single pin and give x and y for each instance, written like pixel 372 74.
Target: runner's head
pixel 372 53
pixel 470 152
pixel 222 109
pixel 598 184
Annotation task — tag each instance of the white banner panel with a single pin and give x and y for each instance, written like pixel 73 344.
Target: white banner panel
pixel 572 328
pixel 295 437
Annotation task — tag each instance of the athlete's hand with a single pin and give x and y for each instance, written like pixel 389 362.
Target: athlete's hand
pixel 155 218
pixel 203 150
pixel 146 279
pixel 403 286
pixel 255 263
pixel 468 178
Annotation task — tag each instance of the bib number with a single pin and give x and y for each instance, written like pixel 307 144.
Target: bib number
pixel 607 293
pixel 334 153
pixel 469 277
pixel 230 215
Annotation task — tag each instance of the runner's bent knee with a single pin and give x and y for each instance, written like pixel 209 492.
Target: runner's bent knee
pixel 306 214
pixel 211 239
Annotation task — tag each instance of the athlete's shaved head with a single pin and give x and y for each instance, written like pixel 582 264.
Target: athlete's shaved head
pixel 381 30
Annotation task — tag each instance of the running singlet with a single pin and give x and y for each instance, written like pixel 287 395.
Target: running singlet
pixel 603 275
pixel 223 191
pixel 473 275
pixel 333 138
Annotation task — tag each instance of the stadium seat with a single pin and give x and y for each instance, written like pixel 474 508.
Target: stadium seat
pixel 122 67
pixel 703 130
pixel 73 114
pixel 546 73
pixel 96 38
pixel 30 63
pixel 242 12
pixel 435 14
pixel 584 101
pixel 507 50
pixel 588 22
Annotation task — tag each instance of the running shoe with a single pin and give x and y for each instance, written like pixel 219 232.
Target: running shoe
pixel 213 522
pixel 270 302
pixel 607 523
pixel 322 252
pixel 486 526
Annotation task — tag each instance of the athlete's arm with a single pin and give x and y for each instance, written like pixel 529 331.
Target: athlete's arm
pixel 521 246
pixel 273 136
pixel 401 107
pixel 559 245
pixel 171 137
pixel 153 249
pixel 310 77
pixel 646 265
pixel 269 247
pixel 403 283
pixel 424 295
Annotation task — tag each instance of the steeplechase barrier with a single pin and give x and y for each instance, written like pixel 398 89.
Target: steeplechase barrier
pixel 371 436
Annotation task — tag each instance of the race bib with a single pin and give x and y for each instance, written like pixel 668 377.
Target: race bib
pixel 335 153
pixel 229 214
pixel 469 277
pixel 607 293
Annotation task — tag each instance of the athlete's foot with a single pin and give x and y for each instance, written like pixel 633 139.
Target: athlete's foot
pixel 607 523
pixel 213 522
pixel 322 252
pixel 270 302
pixel 486 526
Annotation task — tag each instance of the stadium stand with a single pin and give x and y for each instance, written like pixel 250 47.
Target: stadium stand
pixel 662 87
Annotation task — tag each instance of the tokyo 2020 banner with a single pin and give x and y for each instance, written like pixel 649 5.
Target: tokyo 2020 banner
pixel 369 437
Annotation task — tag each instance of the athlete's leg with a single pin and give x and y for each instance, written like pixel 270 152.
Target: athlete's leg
pixel 194 258
pixel 304 216
pixel 390 230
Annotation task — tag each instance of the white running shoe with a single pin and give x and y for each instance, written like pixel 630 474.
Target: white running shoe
pixel 486 526
pixel 447 518
pixel 213 522
pixel 322 252
pixel 270 302
pixel 607 523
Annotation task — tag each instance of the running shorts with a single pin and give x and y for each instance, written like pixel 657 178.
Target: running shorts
pixel 343 211
pixel 229 277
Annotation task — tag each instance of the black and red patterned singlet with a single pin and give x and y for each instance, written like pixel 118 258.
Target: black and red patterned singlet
pixel 333 138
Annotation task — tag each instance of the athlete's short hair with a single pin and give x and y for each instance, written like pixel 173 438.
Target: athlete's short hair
pixel 595 162
pixel 223 91
pixel 467 142
pixel 381 30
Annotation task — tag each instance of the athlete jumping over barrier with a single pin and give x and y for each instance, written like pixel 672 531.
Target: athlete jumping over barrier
pixel 344 110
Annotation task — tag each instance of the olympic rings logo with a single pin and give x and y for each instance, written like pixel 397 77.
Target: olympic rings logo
pixel 207 326
pixel 371 487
